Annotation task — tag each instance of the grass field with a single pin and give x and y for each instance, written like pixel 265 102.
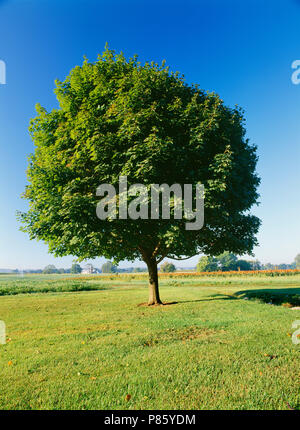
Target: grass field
pixel 77 343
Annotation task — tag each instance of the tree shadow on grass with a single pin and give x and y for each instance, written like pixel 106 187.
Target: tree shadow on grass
pixel 277 296
pixel 159 304
pixel 289 297
pixel 210 298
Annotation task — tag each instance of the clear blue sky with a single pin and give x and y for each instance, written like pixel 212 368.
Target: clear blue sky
pixel 241 49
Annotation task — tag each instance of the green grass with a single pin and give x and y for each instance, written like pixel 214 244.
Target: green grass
pixel 89 349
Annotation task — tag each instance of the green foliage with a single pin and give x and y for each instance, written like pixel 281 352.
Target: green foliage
pixel 118 117
pixel 227 261
pixel 297 261
pixel 50 269
pixel 207 264
pixel 167 267
pixel 255 265
pixel 76 268
pixel 243 265
pixel 108 267
pixel 224 262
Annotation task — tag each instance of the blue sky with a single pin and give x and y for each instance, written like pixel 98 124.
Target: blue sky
pixel 243 50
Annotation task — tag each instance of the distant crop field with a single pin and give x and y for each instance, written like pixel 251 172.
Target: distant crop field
pixel 80 342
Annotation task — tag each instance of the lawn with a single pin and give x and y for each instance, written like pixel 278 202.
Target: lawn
pixel 77 343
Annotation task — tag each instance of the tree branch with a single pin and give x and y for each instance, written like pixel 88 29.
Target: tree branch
pixel 154 253
pixel 180 259
pixel 161 259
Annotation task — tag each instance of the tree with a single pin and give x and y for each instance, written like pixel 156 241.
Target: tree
pixel 139 270
pixel 297 261
pixel 243 265
pixel 207 264
pixel 76 268
pixel 108 267
pixel 50 269
pixel 283 266
pixel 268 266
pixel 117 117
pixel 167 267
pixel 255 265
pixel 61 270
pixel 227 261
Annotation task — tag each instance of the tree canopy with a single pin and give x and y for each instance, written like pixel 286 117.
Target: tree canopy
pixel 167 267
pixel 50 269
pixel 76 268
pixel 108 267
pixel 118 117
pixel 207 264
pixel 223 262
pixel 227 261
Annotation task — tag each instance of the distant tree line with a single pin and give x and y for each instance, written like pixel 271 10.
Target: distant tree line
pixel 52 269
pixel 107 267
pixel 229 262
pixel 110 267
pixel 223 262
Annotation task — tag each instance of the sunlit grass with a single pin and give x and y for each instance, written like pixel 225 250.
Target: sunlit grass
pixel 87 350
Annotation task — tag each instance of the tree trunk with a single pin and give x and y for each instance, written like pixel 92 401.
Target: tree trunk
pixel 154 298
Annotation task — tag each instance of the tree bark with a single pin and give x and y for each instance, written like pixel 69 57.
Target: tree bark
pixel 154 298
